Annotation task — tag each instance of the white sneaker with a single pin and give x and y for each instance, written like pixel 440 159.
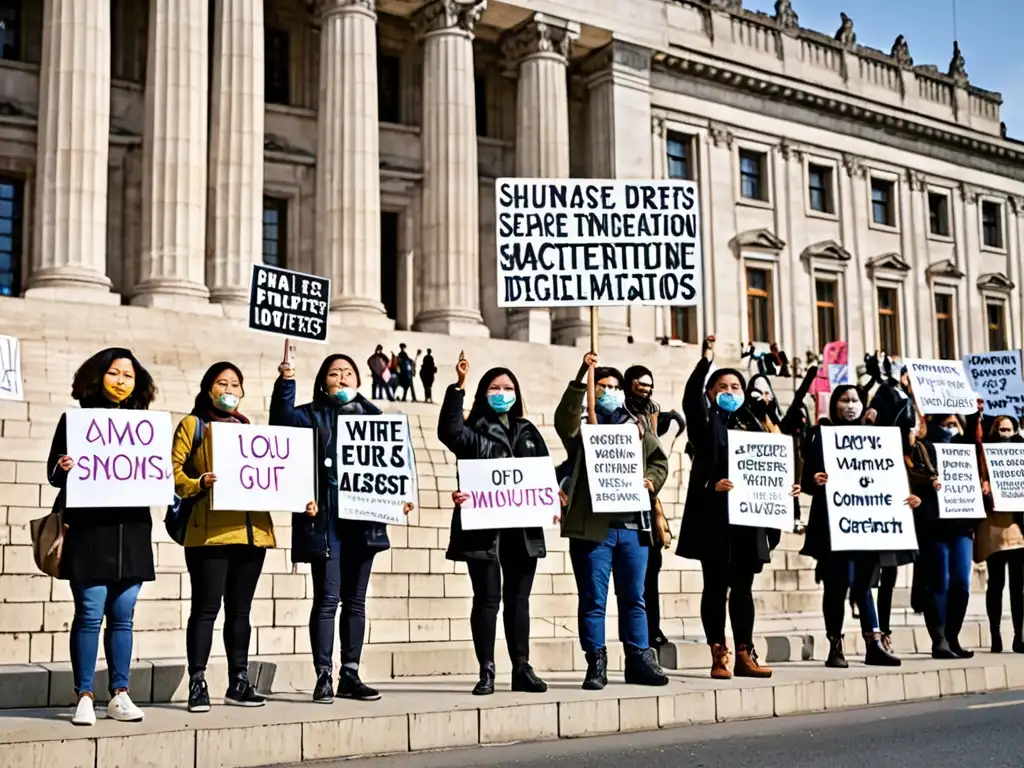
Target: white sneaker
pixel 123 709
pixel 85 712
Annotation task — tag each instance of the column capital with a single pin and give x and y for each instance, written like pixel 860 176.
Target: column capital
pixel 854 166
pixel 449 16
pixel 619 55
pixel 540 34
pixel 916 180
pixel 658 126
pixel 324 8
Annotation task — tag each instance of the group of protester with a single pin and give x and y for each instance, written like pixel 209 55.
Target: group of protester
pixel 390 373
pixel 107 553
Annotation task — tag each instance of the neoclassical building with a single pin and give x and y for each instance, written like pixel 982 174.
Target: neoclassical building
pixel 151 150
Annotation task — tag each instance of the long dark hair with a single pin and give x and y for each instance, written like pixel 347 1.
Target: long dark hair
pixel 481 408
pixel 204 406
pixel 320 383
pixel 87 385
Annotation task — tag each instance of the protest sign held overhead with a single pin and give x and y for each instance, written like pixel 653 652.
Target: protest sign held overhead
pixel 960 494
pixel 376 468
pixel 289 303
pixel 615 468
pixel 11 387
pixel 508 493
pixel 588 243
pixel 867 489
pixel 996 377
pixel 941 386
pixel 261 468
pixel 1006 475
pixel 122 458
pixel 761 470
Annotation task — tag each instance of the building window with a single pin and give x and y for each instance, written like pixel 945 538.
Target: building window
pixel 753 166
pixel 275 232
pixel 11 191
pixel 996 315
pixel 10 30
pixel 883 202
pixel 759 304
pixel 277 66
pixel 480 84
pixel 679 160
pixel 389 88
pixel 819 188
pixel 992 224
pixel 684 324
pixel 938 214
pixel 889 321
pixel 945 326
pixel 827 303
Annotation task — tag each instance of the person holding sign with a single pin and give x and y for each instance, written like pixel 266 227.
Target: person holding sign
pixel 340 551
pixel 224 550
pixel 496 428
pixel 608 544
pixel 107 552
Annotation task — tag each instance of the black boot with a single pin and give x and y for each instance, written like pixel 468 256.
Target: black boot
pixel 323 693
pixel 877 655
pixel 351 687
pixel 485 687
pixel 597 671
pixel 836 657
pixel 997 640
pixel 959 651
pixel 241 693
pixel 198 694
pixel 525 680
pixel 940 646
pixel 643 669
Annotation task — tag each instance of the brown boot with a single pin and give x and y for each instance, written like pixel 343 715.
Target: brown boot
pixel 720 662
pixel 746 663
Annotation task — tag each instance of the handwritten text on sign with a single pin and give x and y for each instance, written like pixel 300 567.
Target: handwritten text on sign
pixel 508 493
pixel 262 469
pixel 122 458
pixel 10 369
pixel 761 471
pixel 1006 476
pixel 288 303
pixel 376 468
pixel 615 468
pixel 996 377
pixel 940 386
pixel 867 489
pixel 960 494
pixel 584 243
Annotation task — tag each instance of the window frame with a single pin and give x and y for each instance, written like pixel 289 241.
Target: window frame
pixel 18 11
pixel 271 95
pixel 282 206
pixel 933 192
pixel 1000 207
pixel 755 294
pixel 18 219
pixel 687 143
pixel 820 304
pixel 947 317
pixel 993 302
pixel 895 313
pixel 893 223
pixel 397 109
pixel 831 210
pixel 762 156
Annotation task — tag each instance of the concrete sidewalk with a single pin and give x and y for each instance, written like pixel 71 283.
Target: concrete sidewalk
pixel 437 713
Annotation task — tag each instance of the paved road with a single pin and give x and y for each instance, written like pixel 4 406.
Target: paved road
pixel 975 731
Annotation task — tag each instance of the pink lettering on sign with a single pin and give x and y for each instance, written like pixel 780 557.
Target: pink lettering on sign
pixel 263 454
pixel 501 498
pixel 121 465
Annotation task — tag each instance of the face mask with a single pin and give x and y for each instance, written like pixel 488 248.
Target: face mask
pixel 729 401
pixel 119 392
pixel 638 403
pixel 851 411
pixel 1005 438
pixel 227 402
pixel 610 401
pixel 950 432
pixel 501 402
pixel 345 395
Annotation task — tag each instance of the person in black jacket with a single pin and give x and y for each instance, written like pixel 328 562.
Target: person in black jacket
pixel 339 551
pixel 107 552
pixel 496 428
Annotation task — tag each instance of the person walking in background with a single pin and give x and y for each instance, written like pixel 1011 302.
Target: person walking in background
pixel 428 371
pixel 107 552
pixel 406 373
pixel 380 373
pixel 224 550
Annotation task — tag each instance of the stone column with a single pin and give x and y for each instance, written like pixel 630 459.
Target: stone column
pixel 69 254
pixel 348 161
pixel 539 49
pixel 174 172
pixel 236 150
pixel 451 196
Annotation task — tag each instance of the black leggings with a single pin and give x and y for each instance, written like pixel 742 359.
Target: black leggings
pixel 886 586
pixel 518 569
pixel 727 582
pixel 652 599
pixel 998 564
pixel 842 575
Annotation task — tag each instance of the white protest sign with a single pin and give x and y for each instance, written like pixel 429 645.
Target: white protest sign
pixel 940 386
pixel 867 490
pixel 376 468
pixel 11 387
pixel 261 468
pixel 761 470
pixel 122 458
pixel 594 242
pixel 509 493
pixel 996 377
pixel 960 494
pixel 1006 475
pixel 615 468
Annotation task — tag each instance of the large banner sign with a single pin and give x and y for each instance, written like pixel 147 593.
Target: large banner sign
pixel 509 493
pixel 941 387
pixel 761 470
pixel 996 377
pixel 261 468
pixel 376 468
pixel 289 303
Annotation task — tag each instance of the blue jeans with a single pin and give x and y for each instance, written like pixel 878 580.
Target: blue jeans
pixel 92 602
pixel 950 581
pixel 623 557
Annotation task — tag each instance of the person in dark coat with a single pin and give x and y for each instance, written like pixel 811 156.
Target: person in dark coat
pixel 379 363
pixel 428 372
pixel 107 552
pixel 496 428
pixel 340 551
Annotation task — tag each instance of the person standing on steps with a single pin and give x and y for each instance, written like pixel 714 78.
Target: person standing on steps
pixel 501 563
pixel 107 552
pixel 605 546
pixel 224 550
pixel 406 373
pixel 340 552
pixel 380 374
pixel 428 371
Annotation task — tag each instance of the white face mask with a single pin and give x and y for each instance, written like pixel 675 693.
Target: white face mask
pixel 851 411
pixel 763 392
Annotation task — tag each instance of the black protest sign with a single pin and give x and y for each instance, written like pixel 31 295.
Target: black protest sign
pixel 289 303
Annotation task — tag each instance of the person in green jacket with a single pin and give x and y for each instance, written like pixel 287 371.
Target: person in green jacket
pixel 603 545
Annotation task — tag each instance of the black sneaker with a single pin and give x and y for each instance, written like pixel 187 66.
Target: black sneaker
pixel 597 671
pixel 324 691
pixel 525 680
pixel 242 694
pixel 198 695
pixel 351 687
pixel 643 669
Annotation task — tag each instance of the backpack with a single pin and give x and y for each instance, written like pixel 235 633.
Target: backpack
pixel 179 512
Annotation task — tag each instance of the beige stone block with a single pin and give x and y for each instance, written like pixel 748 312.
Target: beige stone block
pixel 388 631
pixel 426 585
pixel 444 730
pixel 19 560
pixel 846 693
pixel 918 686
pixel 988 678
pixel 248 747
pixel 428 630
pixel 159 615
pixel 8 471
pixel 20 494
pixel 291 613
pixel 410 560
pixel 388 608
pixel 588 718
pixel 744 703
pixel 952 682
pixel 524 722
pixel 389 585
pixel 24 589
pixel 355 737
pixel 439 607
pixel 440 564
pixel 423 538
pixel 21 617
pixel 15 647
pixel 173 749
pixel 275 640
pixel 31 472
pixel 638 714
pixel 288 586
pixel 886 688
pixel 57 617
pixel 801 698
pixel 72 753
pixel 691 708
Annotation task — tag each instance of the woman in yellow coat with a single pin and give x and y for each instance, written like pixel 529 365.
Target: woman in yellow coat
pixel 224 550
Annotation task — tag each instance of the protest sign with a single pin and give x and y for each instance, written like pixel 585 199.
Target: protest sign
pixel 867 489
pixel 960 494
pixel 289 303
pixel 11 387
pixel 376 468
pixel 1006 475
pixel 509 493
pixel 261 468
pixel 834 369
pixel 940 386
pixel 615 468
pixel 590 242
pixel 122 458
pixel 996 377
pixel 761 471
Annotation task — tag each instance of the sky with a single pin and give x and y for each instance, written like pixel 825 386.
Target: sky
pixel 988 30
